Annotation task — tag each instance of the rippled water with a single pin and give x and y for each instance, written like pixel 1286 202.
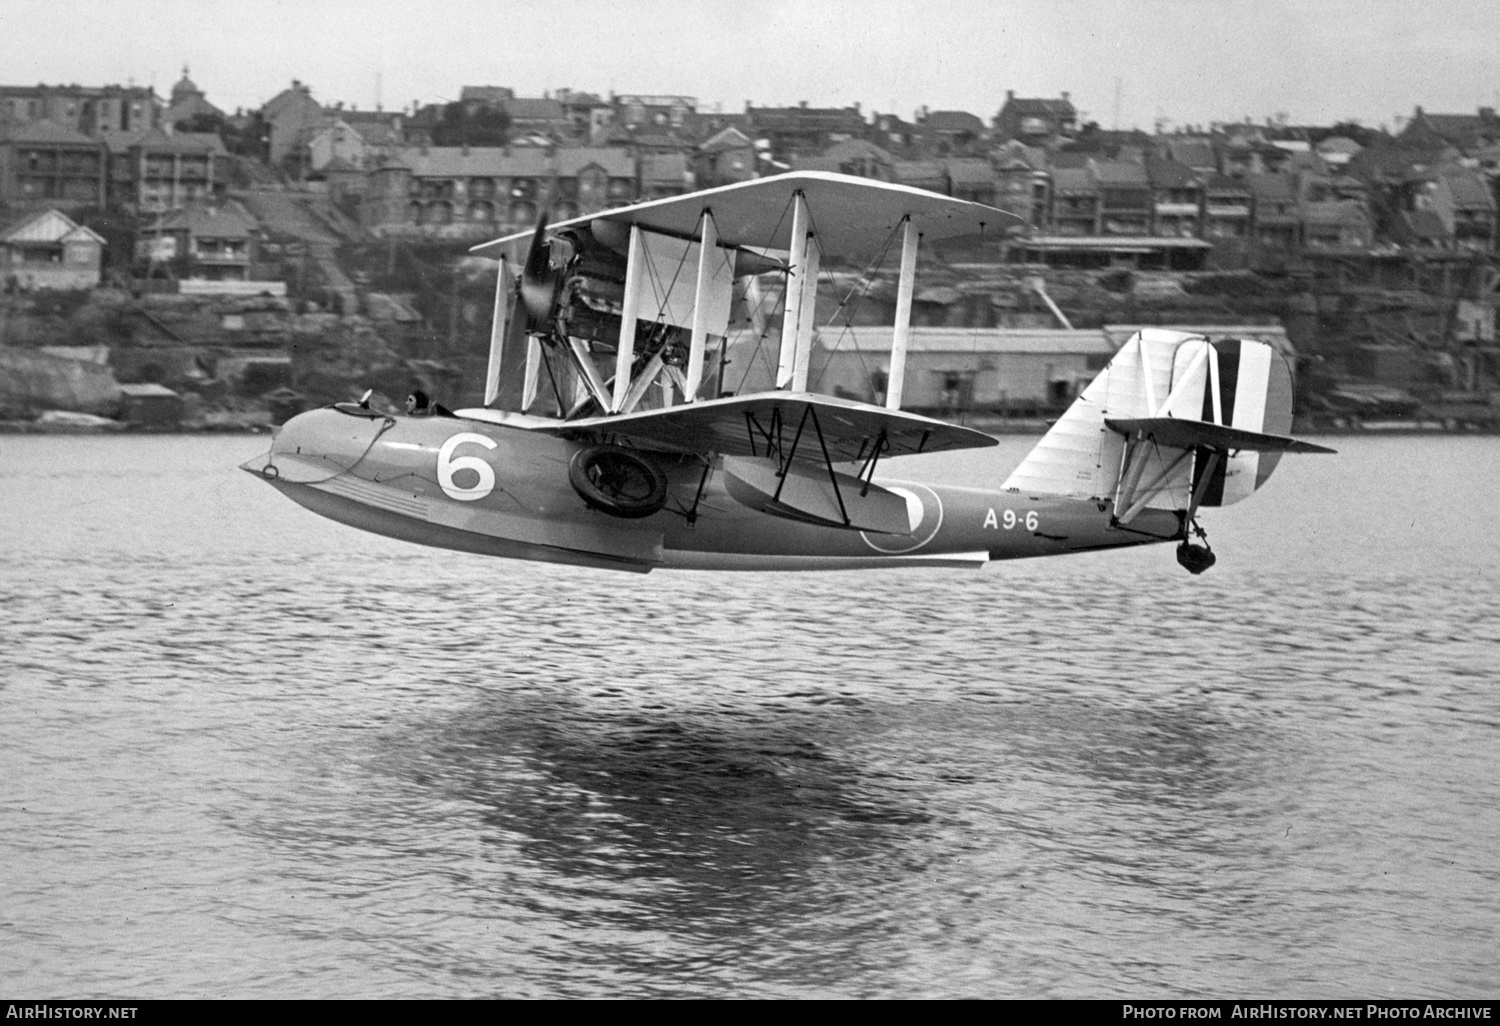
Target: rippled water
pixel 248 752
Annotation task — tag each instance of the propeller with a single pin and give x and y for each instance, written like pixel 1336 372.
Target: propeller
pixel 538 289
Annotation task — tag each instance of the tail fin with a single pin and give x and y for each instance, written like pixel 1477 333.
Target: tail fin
pixel 1129 438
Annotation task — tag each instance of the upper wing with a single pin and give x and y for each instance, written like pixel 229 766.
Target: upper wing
pixel 851 214
pixel 753 424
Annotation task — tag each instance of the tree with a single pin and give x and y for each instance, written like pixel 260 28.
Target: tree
pixel 248 138
pixel 205 122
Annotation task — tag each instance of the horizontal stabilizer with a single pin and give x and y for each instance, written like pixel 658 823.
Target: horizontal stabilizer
pixel 1190 434
pixel 1174 421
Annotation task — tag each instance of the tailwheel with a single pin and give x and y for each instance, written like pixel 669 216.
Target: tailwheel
pixel 1192 557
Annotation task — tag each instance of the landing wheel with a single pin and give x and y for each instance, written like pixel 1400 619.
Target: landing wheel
pixel 618 482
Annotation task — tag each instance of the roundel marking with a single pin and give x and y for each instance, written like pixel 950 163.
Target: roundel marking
pixel 924 511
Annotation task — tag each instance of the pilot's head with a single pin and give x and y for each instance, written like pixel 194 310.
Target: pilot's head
pixel 416 403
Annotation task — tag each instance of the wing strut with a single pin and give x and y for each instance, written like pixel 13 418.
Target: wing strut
pixel 790 306
pixel 708 250
pixel 497 338
pixel 635 269
pixel 910 238
pixel 778 484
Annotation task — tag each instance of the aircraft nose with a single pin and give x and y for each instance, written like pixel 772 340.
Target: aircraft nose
pixel 318 445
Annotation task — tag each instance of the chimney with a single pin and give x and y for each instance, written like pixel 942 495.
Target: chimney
pixel 1066 97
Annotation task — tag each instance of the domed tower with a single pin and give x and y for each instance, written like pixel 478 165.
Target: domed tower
pixel 188 102
pixel 186 89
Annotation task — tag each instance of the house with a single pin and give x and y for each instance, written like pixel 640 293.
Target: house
pixel 971 178
pixel 434 186
pixel 43 163
pixel 475 98
pixel 356 137
pixel 663 175
pixel 725 157
pixel 1036 121
pixel 1096 143
pixel 931 175
pixel 851 157
pixel 658 111
pixel 460 191
pixel 1464 132
pixel 593 178
pixel 537 115
pixel 293 117
pixel 94 111
pixel 1075 202
pixel 1227 208
pixel 339 141
pixel 1023 181
pixel 204 240
pixel 153 171
pixel 1192 151
pixel 587 113
pixel 952 132
pixel 700 126
pixel 802 131
pixel 1124 197
pixel 897 135
pixel 1336 224
pixel 49 250
pixel 1462 203
pixel 1177 197
pixel 1276 222
pixel 1244 150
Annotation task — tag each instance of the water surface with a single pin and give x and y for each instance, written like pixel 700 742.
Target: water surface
pixel 248 752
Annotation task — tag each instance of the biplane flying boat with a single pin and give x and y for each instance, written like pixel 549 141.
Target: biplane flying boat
pixel 615 433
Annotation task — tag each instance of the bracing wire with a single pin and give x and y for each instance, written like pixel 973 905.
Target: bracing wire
pixel 761 339
pixel 848 327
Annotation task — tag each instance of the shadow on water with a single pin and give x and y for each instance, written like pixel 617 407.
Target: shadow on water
pixel 817 846
pixel 699 825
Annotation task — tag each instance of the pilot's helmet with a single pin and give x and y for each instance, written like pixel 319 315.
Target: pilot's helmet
pixel 417 401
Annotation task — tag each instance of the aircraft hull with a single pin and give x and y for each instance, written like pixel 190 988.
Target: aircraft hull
pixel 504 491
